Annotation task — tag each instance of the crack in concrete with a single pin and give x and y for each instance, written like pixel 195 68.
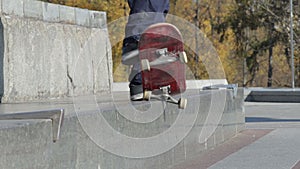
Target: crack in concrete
pixel 70 78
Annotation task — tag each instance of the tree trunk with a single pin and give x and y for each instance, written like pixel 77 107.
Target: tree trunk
pixel 270 71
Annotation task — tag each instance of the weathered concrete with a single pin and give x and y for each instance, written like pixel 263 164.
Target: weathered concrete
pixel 33 9
pixel 28 144
pixel 45 48
pixel 50 12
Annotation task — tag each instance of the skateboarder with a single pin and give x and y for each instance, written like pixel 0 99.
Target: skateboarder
pixel 143 13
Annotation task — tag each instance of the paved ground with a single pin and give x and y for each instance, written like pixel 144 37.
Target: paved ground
pixel 271 141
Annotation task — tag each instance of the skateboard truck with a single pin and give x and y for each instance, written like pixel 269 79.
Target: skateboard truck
pixel 164 57
pixel 165 96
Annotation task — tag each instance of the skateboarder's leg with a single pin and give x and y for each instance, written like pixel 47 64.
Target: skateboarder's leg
pixel 135 78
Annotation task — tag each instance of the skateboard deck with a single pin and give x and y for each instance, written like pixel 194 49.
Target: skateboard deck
pixel 162 56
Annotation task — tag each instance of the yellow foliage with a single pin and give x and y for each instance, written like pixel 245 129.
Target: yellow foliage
pixel 210 15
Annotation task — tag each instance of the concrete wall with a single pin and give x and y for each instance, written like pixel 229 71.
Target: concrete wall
pixel 29 144
pixel 50 51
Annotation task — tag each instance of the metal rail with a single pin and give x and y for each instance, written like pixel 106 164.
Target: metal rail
pixel 233 87
pixel 56 116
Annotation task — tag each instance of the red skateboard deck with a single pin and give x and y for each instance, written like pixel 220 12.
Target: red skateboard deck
pixel 160 51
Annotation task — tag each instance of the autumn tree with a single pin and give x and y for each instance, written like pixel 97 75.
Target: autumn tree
pixel 207 15
pixel 259 27
pixel 251 37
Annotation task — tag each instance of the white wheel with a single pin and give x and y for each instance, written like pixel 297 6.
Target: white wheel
pixel 183 57
pixel 145 64
pixel 182 103
pixel 147 95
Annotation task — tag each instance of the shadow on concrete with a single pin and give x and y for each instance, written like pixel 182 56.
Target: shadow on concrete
pixel 1 60
pixel 265 119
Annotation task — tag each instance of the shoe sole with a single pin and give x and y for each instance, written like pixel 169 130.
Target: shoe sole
pixel 137 97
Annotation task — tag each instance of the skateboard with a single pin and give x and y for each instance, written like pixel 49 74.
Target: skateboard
pixel 162 57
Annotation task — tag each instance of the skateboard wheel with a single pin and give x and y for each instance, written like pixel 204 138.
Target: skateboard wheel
pixel 145 64
pixel 182 103
pixel 147 95
pixel 183 57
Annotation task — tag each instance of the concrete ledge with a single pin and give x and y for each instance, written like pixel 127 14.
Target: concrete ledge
pixel 13 7
pixel 82 17
pixel 33 9
pixel 29 145
pixel 190 84
pixel 67 14
pixel 283 95
pixel 96 19
pixel 53 13
pixel 50 12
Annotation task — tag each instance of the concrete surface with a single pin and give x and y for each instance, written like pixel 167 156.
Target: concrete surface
pixel 50 52
pixel 45 48
pixel 82 143
pixel 49 12
pixel 271 140
pixel 190 84
pixel 283 95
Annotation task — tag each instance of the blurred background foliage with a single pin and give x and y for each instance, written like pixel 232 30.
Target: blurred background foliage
pixel 251 37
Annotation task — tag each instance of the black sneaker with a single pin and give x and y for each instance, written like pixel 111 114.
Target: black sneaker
pixel 135 86
pixel 136 92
